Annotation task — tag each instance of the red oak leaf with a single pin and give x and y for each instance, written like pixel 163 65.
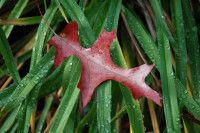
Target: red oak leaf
pixel 97 65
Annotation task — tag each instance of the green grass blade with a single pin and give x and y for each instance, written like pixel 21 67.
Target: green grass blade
pixel 142 35
pixel 119 114
pixel 22 21
pixel 154 56
pixel 70 68
pixel 8 57
pixel 156 5
pixel 90 12
pixel 52 83
pixel 9 120
pixel 102 17
pixel 32 100
pixel 6 93
pixel 104 107
pixel 179 37
pixel 86 119
pixel 68 101
pixel 75 12
pixel 133 109
pixel 29 81
pixel 82 4
pixel 1 3
pixel 40 35
pixel 186 99
pixel 113 16
pixel 168 86
pixel 193 48
pixel 21 117
pixel 16 12
pixel 41 121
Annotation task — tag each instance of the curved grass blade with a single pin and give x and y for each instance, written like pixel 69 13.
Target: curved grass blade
pixel 16 12
pixel 68 101
pixel 10 120
pixel 41 121
pixel 86 119
pixel 193 48
pixel 171 109
pixel 40 35
pixel 179 37
pixel 29 82
pixel 8 57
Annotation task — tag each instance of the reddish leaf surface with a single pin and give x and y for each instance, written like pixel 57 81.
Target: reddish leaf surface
pixel 97 65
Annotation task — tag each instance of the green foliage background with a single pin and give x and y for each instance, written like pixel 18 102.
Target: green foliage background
pixel 44 99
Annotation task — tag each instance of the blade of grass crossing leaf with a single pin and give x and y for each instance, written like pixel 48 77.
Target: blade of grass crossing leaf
pixel 168 86
pixel 69 68
pixel 193 48
pixel 132 105
pixel 45 110
pixel 29 81
pixel 179 37
pixel 104 107
pixel 16 12
pixel 156 5
pixel 104 89
pixel 8 57
pixel 40 35
pixel 10 120
pixel 68 101
pixel 66 80
pixel 133 109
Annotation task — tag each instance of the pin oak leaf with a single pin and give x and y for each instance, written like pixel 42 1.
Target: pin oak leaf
pixel 97 65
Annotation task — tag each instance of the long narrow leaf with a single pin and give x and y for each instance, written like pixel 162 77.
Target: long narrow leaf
pixel 8 57
pixel 168 86
pixel 16 12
